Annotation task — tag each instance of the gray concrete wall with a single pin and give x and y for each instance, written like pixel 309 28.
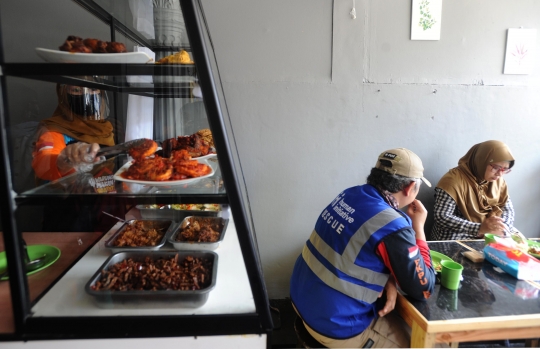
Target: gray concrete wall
pixel 315 96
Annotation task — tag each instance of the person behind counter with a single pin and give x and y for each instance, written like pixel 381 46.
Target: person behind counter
pixel 472 199
pixel 69 140
pixel 361 245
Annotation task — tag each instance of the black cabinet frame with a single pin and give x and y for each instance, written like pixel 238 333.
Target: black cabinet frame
pixel 32 328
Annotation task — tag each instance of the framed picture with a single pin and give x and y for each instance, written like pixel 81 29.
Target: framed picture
pixel 426 19
pixel 520 51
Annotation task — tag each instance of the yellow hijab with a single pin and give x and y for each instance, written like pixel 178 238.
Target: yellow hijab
pixel 476 198
pixel 66 122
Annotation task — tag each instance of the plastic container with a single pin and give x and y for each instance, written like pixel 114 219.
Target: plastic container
pixel 166 226
pixel 149 298
pixel 218 224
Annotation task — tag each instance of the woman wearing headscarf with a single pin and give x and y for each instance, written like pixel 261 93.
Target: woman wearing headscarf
pixel 472 199
pixel 69 140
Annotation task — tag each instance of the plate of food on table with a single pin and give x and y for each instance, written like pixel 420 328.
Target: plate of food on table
pixel 436 258
pixel 78 50
pixel 181 160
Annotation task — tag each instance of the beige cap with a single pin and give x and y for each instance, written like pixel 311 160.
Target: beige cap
pixel 402 162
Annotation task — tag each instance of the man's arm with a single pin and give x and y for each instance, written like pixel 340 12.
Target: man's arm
pixel 409 261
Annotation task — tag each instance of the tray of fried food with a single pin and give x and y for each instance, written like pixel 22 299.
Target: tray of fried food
pixel 151 168
pixel 76 44
pixel 141 235
pixel 199 233
pixel 154 278
pixel 178 212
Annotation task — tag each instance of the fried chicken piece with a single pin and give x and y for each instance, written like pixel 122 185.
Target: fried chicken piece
pixel 206 135
pixel 74 38
pixel 195 144
pixel 79 47
pixel 189 169
pixel 149 169
pixel 91 43
pixel 116 47
pixel 74 44
pixel 147 148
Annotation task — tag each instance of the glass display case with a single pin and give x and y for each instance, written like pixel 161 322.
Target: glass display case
pixel 71 222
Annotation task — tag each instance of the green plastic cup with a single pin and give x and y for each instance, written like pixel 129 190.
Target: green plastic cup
pixel 489 238
pixel 451 274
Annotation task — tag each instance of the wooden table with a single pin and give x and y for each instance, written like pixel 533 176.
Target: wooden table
pixel 488 305
pixel 72 247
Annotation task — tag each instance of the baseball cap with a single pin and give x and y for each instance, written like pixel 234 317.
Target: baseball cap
pixel 402 162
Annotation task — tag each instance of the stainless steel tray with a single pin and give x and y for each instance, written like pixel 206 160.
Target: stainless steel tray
pixel 172 214
pixel 192 245
pixel 152 299
pixel 167 225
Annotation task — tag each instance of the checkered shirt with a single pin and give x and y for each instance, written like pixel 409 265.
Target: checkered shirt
pixel 450 223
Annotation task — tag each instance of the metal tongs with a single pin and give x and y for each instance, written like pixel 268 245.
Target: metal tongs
pixel 120 148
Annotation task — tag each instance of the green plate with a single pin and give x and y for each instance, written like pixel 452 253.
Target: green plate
pixel 34 251
pixel 535 244
pixel 437 257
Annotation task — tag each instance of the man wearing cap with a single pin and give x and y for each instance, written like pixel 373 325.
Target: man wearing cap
pixel 363 244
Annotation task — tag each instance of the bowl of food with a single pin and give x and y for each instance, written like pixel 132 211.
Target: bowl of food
pixel 155 279
pixel 140 235
pixel 199 233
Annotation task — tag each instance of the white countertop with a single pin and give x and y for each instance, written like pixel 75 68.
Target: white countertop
pixel 232 294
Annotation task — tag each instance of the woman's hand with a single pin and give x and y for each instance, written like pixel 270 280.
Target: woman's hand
pixel 79 156
pixel 493 225
pixel 391 296
pixel 418 214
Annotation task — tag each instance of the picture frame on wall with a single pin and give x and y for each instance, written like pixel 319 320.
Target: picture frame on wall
pixel 426 19
pixel 520 51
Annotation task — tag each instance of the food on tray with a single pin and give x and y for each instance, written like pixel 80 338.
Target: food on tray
pixel 161 274
pixel 181 57
pixel 139 233
pixel 534 249
pixel 437 266
pixel 206 135
pixel 149 166
pixel 198 229
pixel 186 207
pixel 76 44
pixel 197 207
pixel 196 145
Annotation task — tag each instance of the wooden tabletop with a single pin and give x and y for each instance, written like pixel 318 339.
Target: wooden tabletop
pixel 72 247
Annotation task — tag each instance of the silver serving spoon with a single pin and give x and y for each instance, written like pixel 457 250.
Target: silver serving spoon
pixel 30 266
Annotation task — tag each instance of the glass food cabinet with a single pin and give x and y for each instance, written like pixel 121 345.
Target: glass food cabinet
pixel 54 302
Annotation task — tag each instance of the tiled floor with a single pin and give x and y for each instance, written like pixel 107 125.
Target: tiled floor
pixel 284 335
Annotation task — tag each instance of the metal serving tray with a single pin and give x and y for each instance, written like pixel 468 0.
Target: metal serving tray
pixel 172 214
pixel 152 299
pixel 167 225
pixel 192 245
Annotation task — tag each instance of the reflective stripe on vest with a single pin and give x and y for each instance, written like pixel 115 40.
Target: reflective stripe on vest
pixel 345 262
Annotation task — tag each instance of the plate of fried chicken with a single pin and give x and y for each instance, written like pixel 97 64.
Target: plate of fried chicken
pixel 78 50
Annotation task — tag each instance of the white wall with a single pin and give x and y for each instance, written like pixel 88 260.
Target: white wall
pixel 315 98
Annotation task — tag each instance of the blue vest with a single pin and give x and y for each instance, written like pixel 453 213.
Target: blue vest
pixel 339 276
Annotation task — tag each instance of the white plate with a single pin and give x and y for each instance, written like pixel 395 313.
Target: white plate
pixel 55 56
pixel 160 183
